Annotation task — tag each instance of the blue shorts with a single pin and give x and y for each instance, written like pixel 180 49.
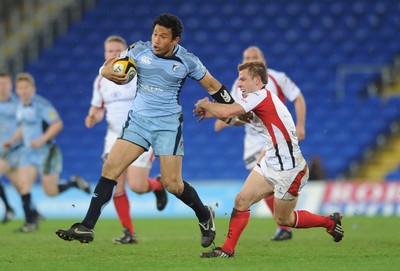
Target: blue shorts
pixel 47 159
pixel 164 134
pixel 13 156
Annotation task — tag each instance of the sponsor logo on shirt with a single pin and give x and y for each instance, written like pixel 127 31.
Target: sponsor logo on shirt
pixel 149 88
pixel 53 114
pixel 175 67
pixel 115 94
pixel 123 54
pixel 145 60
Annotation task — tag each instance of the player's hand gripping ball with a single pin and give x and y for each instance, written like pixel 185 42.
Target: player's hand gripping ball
pixel 125 65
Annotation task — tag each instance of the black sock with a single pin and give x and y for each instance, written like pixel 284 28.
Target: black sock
pixel 190 197
pixel 28 208
pixel 101 197
pixel 4 198
pixel 66 185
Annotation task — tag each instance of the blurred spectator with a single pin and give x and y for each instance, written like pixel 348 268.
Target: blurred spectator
pixel 317 170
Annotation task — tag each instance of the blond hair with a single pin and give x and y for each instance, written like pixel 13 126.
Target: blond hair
pixel 256 68
pixel 257 49
pixel 115 38
pixel 25 76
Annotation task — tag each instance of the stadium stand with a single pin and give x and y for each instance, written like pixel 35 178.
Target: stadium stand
pixel 324 46
pixel 29 26
pixel 393 175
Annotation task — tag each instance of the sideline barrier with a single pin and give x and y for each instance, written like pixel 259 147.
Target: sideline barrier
pixel 318 197
pixel 366 199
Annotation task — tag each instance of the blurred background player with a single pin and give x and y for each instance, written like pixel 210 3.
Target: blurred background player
pixel 9 159
pixel 282 172
pixel 254 143
pixel 317 169
pixel 9 211
pixel 116 100
pixel 38 125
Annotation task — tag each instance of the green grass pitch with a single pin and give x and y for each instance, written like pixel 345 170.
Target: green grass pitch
pixel 370 243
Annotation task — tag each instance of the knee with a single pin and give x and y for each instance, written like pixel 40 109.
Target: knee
pixel 51 192
pixel 109 171
pixel 18 186
pixel 173 185
pixel 106 168
pixel 23 187
pixel 138 187
pixel 241 203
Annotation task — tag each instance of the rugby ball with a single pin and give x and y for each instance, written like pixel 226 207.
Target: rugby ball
pixel 125 65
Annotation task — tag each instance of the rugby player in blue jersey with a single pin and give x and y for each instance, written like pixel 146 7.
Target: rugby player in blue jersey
pixel 8 159
pixel 38 125
pixel 155 119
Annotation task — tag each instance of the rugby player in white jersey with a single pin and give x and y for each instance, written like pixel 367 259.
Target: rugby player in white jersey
pixel 155 120
pixel 115 101
pixel 282 171
pixel 254 143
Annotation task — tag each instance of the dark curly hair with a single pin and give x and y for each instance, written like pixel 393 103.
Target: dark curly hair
pixel 170 21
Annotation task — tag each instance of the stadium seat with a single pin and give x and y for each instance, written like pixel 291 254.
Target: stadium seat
pixel 393 175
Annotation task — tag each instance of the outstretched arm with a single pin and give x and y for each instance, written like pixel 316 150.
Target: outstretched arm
pixel 218 91
pixel 300 109
pixel 95 115
pixel 211 84
pixel 52 131
pixel 219 125
pixel 218 110
pixel 14 139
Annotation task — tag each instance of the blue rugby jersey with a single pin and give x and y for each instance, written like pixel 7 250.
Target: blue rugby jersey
pixel 8 120
pixel 35 118
pixel 160 79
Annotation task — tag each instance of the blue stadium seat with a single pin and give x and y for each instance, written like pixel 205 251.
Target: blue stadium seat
pixel 394 175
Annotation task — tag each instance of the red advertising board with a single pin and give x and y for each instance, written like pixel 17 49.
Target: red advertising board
pixel 357 198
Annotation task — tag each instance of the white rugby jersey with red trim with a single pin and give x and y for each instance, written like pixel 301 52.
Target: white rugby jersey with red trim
pixel 116 99
pixel 279 84
pixel 275 124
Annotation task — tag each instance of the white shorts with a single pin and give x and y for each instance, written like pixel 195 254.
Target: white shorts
pixel 253 145
pixel 251 160
pixel 145 160
pixel 287 183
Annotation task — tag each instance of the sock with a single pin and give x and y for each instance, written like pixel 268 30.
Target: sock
pixel 4 198
pixel 154 184
pixel 237 223
pixel 304 219
pixel 65 185
pixel 101 197
pixel 36 214
pixel 270 202
pixel 28 208
pixel 121 203
pixel 190 197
